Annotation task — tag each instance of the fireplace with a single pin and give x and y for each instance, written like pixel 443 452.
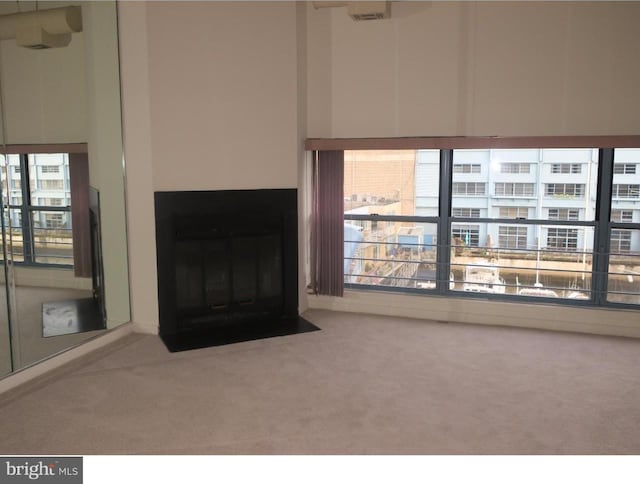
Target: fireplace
pixel 227 266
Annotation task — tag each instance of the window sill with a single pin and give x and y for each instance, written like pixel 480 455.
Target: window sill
pixel 555 317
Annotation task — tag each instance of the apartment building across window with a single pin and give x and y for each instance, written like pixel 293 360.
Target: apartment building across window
pixel 519 230
pixel 50 169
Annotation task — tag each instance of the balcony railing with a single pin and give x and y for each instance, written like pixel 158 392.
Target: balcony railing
pixel 407 260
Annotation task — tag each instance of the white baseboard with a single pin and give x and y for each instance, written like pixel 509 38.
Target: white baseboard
pixel 145 328
pixel 603 321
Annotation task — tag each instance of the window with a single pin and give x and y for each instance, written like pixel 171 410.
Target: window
pixel 620 241
pixel 466 212
pixel 572 168
pixel 543 246
pixel 40 237
pixel 53 220
pixel 564 214
pixel 511 237
pixel 515 168
pixel 514 212
pixel 515 189
pixel 468 235
pixel 618 215
pixel 52 184
pixel 624 169
pixel 466 168
pixel 568 190
pixel 624 190
pixel 468 188
pixel 558 238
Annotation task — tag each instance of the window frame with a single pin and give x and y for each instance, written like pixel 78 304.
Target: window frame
pixel 26 209
pixel 601 224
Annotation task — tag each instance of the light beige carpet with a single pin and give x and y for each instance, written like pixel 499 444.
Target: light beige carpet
pixel 362 385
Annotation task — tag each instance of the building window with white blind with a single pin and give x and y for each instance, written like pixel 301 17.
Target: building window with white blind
pixel 620 241
pixel 558 238
pixel 466 168
pixel 622 216
pixel 468 188
pixel 465 212
pixel 564 214
pixel 515 189
pixel 625 190
pixel 566 168
pixel 512 237
pixel 513 212
pixel 52 184
pixel 468 235
pixel 569 190
pixel 515 168
pixel 624 169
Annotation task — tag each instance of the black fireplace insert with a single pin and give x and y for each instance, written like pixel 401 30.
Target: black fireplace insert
pixel 227 266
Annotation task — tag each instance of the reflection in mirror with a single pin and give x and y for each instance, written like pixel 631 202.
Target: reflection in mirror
pixel 62 179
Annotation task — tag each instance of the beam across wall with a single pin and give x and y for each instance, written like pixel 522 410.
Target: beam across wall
pixel 472 142
pixel 43 148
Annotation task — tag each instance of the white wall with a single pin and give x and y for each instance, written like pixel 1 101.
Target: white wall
pixel 214 99
pixel 210 96
pixel 223 91
pixel 476 68
pixel 44 92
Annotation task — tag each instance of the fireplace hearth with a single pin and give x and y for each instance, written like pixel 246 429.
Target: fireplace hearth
pixel 227 266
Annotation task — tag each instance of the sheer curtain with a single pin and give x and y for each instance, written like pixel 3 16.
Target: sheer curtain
pixel 327 223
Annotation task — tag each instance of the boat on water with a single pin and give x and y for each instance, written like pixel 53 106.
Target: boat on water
pixel 484 279
pixel 577 295
pixel 537 290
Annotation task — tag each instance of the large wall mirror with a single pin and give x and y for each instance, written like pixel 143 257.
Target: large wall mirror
pixel 64 270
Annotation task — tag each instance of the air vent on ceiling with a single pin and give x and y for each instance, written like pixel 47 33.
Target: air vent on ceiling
pixel 361 10
pixel 369 10
pixel 367 16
